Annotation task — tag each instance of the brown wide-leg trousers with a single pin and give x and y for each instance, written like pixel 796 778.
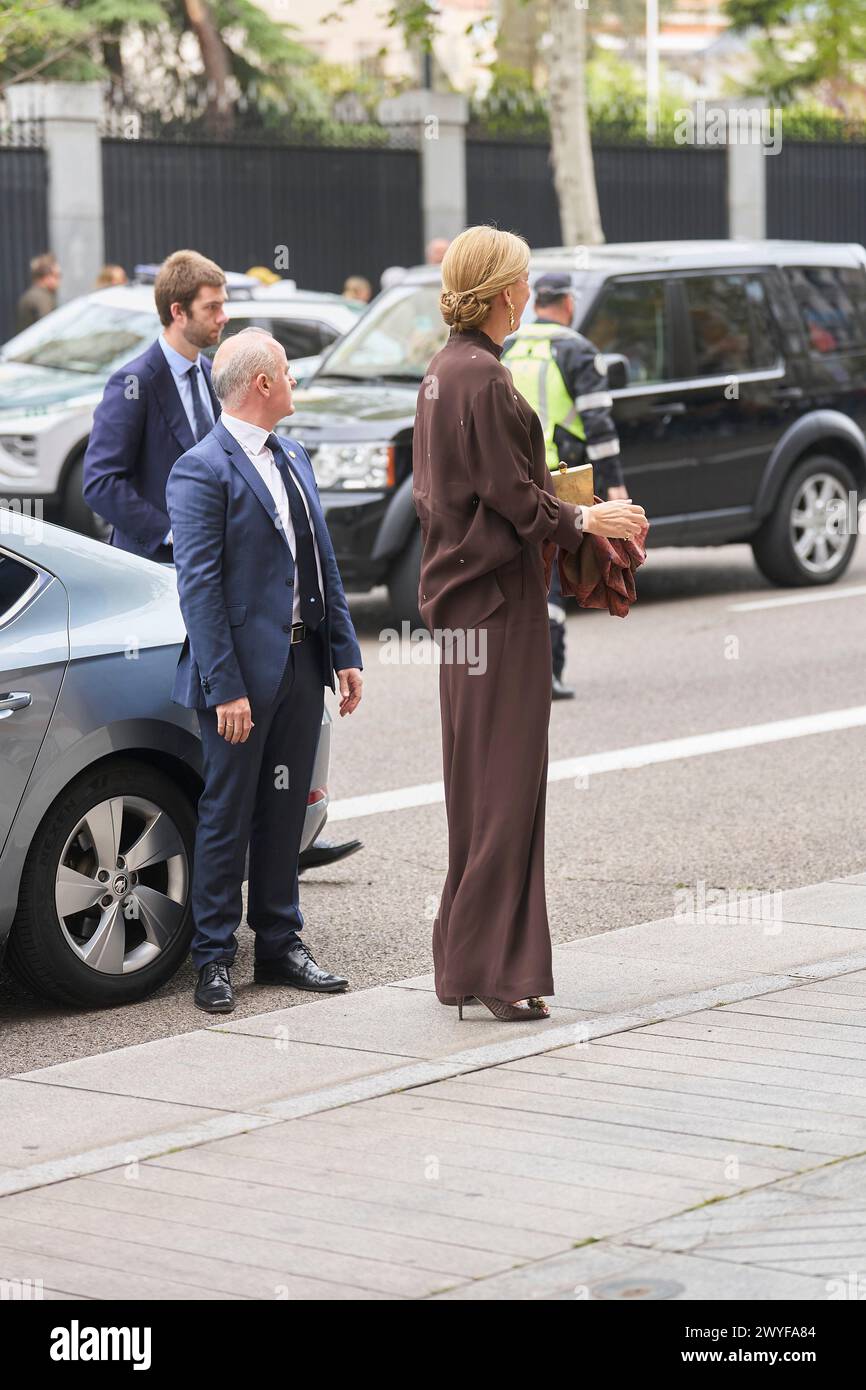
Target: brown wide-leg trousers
pixel 491 933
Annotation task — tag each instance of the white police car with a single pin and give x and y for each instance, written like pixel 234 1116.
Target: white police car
pixel 52 376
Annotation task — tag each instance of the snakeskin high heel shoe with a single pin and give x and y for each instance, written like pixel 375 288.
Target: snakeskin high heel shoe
pixel 509 1013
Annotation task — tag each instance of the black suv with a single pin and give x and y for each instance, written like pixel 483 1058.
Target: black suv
pixel 738 371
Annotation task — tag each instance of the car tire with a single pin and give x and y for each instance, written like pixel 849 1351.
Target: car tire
pixel 43 953
pixel 775 545
pixel 403 580
pixel 76 513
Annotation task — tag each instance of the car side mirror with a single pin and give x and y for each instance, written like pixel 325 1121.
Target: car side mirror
pixel 617 370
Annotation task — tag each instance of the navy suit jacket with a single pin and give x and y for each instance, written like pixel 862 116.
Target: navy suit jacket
pixel 236 576
pixel 139 430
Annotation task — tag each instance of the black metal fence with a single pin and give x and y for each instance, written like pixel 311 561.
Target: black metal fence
pixel 350 209
pixel 649 194
pixel 23 217
pixel 644 193
pixel 817 191
pixel 338 211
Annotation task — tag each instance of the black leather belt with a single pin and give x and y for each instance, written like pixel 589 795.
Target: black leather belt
pixel 299 632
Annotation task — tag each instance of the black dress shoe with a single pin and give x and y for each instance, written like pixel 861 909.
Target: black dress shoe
pixel 298 968
pixel 326 852
pixel 213 993
pixel 562 692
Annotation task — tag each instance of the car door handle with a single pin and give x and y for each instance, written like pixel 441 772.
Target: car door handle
pixel 668 408
pixel 788 393
pixel 13 700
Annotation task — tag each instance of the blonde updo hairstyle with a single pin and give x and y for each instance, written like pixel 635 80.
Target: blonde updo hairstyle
pixel 478 265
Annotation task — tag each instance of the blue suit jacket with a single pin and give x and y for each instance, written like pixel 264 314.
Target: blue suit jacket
pixel 139 429
pixel 234 565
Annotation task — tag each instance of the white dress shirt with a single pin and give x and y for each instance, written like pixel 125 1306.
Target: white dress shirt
pixel 180 366
pixel 252 440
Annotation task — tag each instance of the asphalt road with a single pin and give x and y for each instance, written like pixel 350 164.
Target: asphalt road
pixel 620 844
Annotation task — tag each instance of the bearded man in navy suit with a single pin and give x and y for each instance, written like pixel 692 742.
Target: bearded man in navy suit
pixel 156 407
pixel 267 625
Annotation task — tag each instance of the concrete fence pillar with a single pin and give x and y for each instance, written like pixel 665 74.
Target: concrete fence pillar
pixel 747 191
pixel 439 121
pixel 751 136
pixel 70 113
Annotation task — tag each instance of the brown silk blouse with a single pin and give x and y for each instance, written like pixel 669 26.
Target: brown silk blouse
pixel 481 486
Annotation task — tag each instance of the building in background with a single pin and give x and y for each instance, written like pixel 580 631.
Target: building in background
pixel 698 53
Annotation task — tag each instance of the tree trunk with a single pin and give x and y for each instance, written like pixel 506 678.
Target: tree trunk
pixel 112 56
pixel 570 149
pixel 220 114
pixel 519 29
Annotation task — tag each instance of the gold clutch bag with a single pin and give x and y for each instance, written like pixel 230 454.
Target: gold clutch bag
pixel 574 485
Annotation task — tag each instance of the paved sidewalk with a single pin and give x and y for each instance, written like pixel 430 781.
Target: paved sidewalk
pixel 690 1124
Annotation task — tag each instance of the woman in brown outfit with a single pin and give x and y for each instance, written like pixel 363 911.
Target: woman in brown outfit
pixel 486 503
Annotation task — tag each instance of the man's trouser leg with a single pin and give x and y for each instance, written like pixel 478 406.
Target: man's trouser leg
pixel 556 615
pixel 280 809
pixel 225 811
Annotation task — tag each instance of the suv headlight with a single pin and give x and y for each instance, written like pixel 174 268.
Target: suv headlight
pixel 354 465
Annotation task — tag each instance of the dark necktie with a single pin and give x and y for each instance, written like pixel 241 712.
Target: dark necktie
pixel 203 425
pixel 306 575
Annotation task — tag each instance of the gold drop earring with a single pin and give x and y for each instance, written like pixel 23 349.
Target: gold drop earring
pixel 511 316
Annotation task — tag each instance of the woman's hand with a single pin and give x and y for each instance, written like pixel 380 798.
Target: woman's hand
pixel 618 520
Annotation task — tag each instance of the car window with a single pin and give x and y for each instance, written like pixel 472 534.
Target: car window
pixel 732 330
pixel 15 580
pixel 301 337
pixel 396 337
pixel 832 304
pixel 730 324
pixel 236 325
pixel 84 336
pixel 630 319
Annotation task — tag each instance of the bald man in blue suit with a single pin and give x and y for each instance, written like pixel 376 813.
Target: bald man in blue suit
pixel 268 627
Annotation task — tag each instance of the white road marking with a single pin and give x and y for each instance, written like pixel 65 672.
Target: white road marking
pixel 619 759
pixel 788 600
pixel 400 799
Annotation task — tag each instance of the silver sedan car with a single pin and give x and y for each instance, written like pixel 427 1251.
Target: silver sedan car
pixel 99 772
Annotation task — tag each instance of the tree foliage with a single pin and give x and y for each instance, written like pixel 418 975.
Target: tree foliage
pixel 805 46
pixel 241 51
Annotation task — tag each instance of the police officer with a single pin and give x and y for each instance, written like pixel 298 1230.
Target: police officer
pixel 564 379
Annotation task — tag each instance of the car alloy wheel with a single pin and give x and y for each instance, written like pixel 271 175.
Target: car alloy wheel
pixel 122 885
pixel 819 548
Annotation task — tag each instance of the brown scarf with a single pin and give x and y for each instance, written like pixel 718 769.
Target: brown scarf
pixel 600 574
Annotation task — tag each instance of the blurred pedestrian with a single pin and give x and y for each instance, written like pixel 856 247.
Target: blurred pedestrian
pixel 111 275
pixel 358 288
pixel 435 250
pixel 392 275
pixel 41 298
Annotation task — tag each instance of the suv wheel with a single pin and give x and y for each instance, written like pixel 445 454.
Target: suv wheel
pixel 104 908
pixel 403 581
pixel 794 546
pixel 76 513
